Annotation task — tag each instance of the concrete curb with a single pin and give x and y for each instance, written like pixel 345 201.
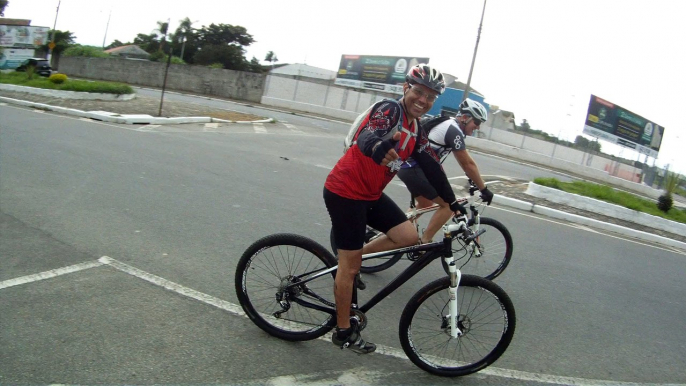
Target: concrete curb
pixel 68 94
pixel 130 119
pixel 573 218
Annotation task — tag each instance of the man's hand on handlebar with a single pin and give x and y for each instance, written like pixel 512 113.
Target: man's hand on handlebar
pixel 458 209
pixel 486 196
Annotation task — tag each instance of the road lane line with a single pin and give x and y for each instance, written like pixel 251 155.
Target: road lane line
pixel 259 128
pixel 237 310
pixel 49 274
pixel 178 288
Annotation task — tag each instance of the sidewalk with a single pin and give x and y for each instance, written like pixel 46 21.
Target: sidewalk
pixel 144 110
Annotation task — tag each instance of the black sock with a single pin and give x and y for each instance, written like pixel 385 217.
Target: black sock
pixel 343 333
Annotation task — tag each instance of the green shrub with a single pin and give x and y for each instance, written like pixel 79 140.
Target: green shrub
pixel 58 78
pixel 665 202
pixel 30 71
pixel 19 79
pixel 216 65
pixel 157 56
pixel 87 51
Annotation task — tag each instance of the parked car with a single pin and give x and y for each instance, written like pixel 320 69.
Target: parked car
pixel 42 66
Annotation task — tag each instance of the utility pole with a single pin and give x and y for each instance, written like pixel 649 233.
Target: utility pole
pixel 51 45
pixel 106 28
pixel 166 69
pixel 476 46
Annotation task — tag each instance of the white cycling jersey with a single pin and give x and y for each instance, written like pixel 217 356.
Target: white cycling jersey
pixel 443 139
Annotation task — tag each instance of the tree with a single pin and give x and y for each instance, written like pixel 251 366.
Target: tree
pixel 63 40
pixel 161 31
pixel 271 58
pixel 115 43
pixel 184 40
pixel 147 42
pixel 222 34
pixel 231 57
pixel 223 43
pixel 254 65
pixel 525 125
pixel 3 4
pixel 586 145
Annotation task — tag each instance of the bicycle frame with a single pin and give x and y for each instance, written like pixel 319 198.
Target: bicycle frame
pixel 433 251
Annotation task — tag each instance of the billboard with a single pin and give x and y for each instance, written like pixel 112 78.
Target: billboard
pixel 23 36
pixel 381 73
pixel 612 123
pixel 11 58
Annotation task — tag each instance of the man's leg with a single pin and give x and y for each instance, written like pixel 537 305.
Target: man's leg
pixel 348 266
pixel 439 218
pixel 402 235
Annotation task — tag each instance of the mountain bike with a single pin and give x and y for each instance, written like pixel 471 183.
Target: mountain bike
pixel 487 255
pixel 453 326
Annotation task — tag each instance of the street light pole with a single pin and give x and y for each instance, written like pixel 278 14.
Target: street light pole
pixel 476 46
pixel 51 46
pixel 106 28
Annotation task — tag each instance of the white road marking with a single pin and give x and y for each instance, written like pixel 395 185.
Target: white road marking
pixel 147 127
pixel 259 128
pixel 293 128
pixel 344 377
pixel 178 288
pixel 49 274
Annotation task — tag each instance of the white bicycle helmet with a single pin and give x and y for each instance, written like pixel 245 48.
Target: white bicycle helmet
pixel 425 75
pixel 474 109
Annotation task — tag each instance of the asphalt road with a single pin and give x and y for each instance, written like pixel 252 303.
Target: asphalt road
pixel 182 203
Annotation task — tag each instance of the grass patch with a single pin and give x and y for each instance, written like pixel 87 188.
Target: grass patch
pixel 607 194
pixel 21 79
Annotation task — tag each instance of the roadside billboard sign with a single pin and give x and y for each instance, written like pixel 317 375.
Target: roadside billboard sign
pixel 23 36
pixel 610 122
pixel 381 73
pixel 11 58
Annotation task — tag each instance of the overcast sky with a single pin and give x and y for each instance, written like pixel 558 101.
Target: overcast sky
pixel 541 59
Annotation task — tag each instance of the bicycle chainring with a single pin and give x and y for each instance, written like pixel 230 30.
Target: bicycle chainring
pixel 361 318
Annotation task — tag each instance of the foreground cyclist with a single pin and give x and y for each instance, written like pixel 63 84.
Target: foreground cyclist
pixel 446 137
pixel 353 191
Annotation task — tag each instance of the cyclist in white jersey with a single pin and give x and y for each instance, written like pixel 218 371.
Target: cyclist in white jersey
pixel 445 138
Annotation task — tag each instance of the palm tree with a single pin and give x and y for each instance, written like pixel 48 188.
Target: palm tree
pixel 271 57
pixel 162 29
pixel 184 31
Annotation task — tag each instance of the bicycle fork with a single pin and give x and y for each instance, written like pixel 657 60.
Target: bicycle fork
pixel 455 276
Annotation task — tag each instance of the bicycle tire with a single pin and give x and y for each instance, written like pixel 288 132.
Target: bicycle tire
pixel 266 266
pixel 486 318
pixel 496 251
pixel 371 265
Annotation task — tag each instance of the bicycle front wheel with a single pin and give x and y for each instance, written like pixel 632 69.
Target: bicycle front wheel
pixel 267 267
pixel 486 318
pixel 371 265
pixel 492 256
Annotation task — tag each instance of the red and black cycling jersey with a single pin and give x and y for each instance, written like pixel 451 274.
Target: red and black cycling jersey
pixel 356 176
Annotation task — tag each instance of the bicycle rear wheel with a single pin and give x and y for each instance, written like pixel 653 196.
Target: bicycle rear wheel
pixel 495 246
pixel 371 265
pixel 486 319
pixel 262 274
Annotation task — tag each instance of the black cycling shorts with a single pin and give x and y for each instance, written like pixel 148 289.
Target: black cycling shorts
pixel 350 217
pixel 417 183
